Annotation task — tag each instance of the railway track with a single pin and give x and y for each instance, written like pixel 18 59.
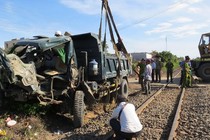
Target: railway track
pixel 195 115
pixel 166 113
pixel 159 116
pixel 163 114
pixel 156 113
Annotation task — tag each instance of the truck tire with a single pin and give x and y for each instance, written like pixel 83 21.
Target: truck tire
pixel 204 71
pixel 79 108
pixel 124 88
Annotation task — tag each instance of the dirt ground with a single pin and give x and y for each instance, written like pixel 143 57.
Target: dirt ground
pixel 47 125
pixel 133 84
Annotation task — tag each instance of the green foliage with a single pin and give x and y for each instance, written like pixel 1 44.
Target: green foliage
pixel 166 55
pixel 5 138
pixel 28 108
pixel 134 66
pixel 154 53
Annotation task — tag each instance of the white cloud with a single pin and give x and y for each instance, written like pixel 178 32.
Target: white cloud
pixel 178 6
pixel 162 27
pixel 184 5
pixel 181 20
pixel 84 6
pixel 194 10
pixel 181 31
pixel 193 1
pixel 188 30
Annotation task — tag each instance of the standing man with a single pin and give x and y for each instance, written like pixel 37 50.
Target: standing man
pixel 148 77
pixel 141 66
pixel 169 66
pixel 153 64
pixel 159 66
pixel 124 120
pixel 186 74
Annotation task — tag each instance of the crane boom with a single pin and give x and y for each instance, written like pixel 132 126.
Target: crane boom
pixel 119 46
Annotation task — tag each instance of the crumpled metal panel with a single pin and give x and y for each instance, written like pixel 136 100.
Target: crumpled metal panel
pixel 27 72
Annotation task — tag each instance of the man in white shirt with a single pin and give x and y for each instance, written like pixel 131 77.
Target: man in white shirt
pixel 124 120
pixel 148 76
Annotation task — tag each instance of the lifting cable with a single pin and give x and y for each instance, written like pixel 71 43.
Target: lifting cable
pixel 100 28
pixel 101 19
pixel 111 23
pixel 122 46
pixel 117 52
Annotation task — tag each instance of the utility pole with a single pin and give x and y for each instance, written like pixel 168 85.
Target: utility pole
pixel 166 43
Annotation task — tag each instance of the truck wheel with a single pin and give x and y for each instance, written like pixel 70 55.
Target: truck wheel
pixel 204 71
pixel 79 108
pixel 124 88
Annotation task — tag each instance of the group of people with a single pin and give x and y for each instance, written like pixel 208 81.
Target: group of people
pixel 149 70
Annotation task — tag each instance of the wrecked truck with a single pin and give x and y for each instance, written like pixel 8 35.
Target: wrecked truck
pixel 72 70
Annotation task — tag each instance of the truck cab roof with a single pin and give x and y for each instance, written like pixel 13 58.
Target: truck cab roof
pixel 204 46
pixel 44 43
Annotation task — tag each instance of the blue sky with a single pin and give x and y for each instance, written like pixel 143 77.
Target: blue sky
pixel 143 25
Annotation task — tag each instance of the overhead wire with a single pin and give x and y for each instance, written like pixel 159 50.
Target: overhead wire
pixel 154 15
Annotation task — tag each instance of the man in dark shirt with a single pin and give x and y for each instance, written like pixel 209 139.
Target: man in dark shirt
pixel 141 66
pixel 159 66
pixel 169 66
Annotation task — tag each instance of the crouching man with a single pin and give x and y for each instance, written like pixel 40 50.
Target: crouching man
pixel 124 121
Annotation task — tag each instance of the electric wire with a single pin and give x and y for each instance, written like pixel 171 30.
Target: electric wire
pixel 155 14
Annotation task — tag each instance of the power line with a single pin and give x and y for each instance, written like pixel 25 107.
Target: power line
pixel 154 15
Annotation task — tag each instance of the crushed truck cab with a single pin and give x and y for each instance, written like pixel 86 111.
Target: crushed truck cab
pixel 72 70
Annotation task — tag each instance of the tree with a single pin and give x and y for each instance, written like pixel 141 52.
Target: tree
pixel 166 55
pixel 154 53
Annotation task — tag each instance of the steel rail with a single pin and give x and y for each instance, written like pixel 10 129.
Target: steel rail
pixel 177 117
pixel 149 100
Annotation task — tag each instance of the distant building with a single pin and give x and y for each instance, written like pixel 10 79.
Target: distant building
pixel 140 55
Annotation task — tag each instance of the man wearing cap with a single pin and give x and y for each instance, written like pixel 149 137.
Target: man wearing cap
pixel 124 120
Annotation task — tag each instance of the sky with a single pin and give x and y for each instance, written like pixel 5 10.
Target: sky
pixel 144 25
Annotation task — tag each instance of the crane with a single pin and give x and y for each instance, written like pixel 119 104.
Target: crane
pixel 119 45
